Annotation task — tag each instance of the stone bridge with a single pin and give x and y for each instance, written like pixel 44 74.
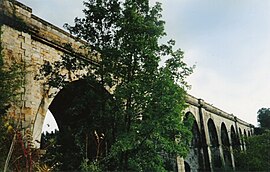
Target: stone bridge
pixel 27 39
pixel 216 135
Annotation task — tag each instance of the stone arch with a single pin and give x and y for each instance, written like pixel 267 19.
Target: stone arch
pixel 226 146
pixel 80 103
pixel 241 139
pixel 194 158
pixel 214 145
pixel 74 93
pixel 249 134
pixel 234 139
pixel 48 98
pixel 189 119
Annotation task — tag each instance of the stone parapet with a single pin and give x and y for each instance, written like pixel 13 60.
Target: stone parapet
pixel 20 17
pixel 210 108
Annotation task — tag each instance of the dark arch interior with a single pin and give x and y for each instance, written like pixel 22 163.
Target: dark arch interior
pixel 79 112
pixel 245 138
pixel 235 140
pixel 78 100
pixel 191 122
pixel 215 153
pixel 212 133
pixel 226 146
pixel 196 143
pixel 187 167
pixel 241 139
pixel 245 133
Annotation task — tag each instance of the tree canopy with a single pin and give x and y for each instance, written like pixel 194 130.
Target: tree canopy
pixel 144 129
pixel 264 118
pixel 257 155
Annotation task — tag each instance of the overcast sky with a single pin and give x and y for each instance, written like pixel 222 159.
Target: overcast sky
pixel 228 40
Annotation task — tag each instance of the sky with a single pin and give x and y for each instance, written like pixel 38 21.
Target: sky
pixel 227 40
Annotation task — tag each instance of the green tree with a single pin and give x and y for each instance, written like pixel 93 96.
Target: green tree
pixel 264 118
pixel 144 129
pixel 257 155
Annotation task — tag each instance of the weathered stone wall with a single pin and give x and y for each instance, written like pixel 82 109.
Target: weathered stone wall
pixel 31 41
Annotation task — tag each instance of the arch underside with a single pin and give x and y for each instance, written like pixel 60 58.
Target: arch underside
pixel 226 147
pixel 194 160
pixel 71 105
pixel 214 145
pixel 78 111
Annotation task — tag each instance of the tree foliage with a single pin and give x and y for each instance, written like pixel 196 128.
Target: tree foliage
pixel 257 155
pixel 264 118
pixel 138 126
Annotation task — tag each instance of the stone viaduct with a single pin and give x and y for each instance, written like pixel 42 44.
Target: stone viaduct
pixel 216 135
pixel 27 39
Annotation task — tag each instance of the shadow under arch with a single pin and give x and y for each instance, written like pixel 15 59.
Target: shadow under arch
pixel 77 100
pixel 195 156
pixel 235 145
pixel 214 145
pixel 83 121
pixel 226 146
pixel 241 139
pixel 187 167
pixel 235 140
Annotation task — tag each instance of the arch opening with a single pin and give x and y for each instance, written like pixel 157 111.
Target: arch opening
pixel 235 140
pixel 214 145
pixel 226 147
pixel 249 134
pixel 235 144
pixel 49 125
pixel 79 110
pixel 190 121
pixel 194 158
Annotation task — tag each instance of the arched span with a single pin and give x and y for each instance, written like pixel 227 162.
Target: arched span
pixel 194 158
pixel 79 110
pixel 226 146
pixel 190 121
pixel 245 133
pixel 214 146
pixel 234 139
pixel 241 138
pixel 77 100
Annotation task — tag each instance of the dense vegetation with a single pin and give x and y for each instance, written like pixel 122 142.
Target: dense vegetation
pixel 137 126
pixel 264 118
pixel 256 157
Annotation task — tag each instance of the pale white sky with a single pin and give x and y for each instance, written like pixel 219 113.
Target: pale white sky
pixel 228 40
pixel 49 123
